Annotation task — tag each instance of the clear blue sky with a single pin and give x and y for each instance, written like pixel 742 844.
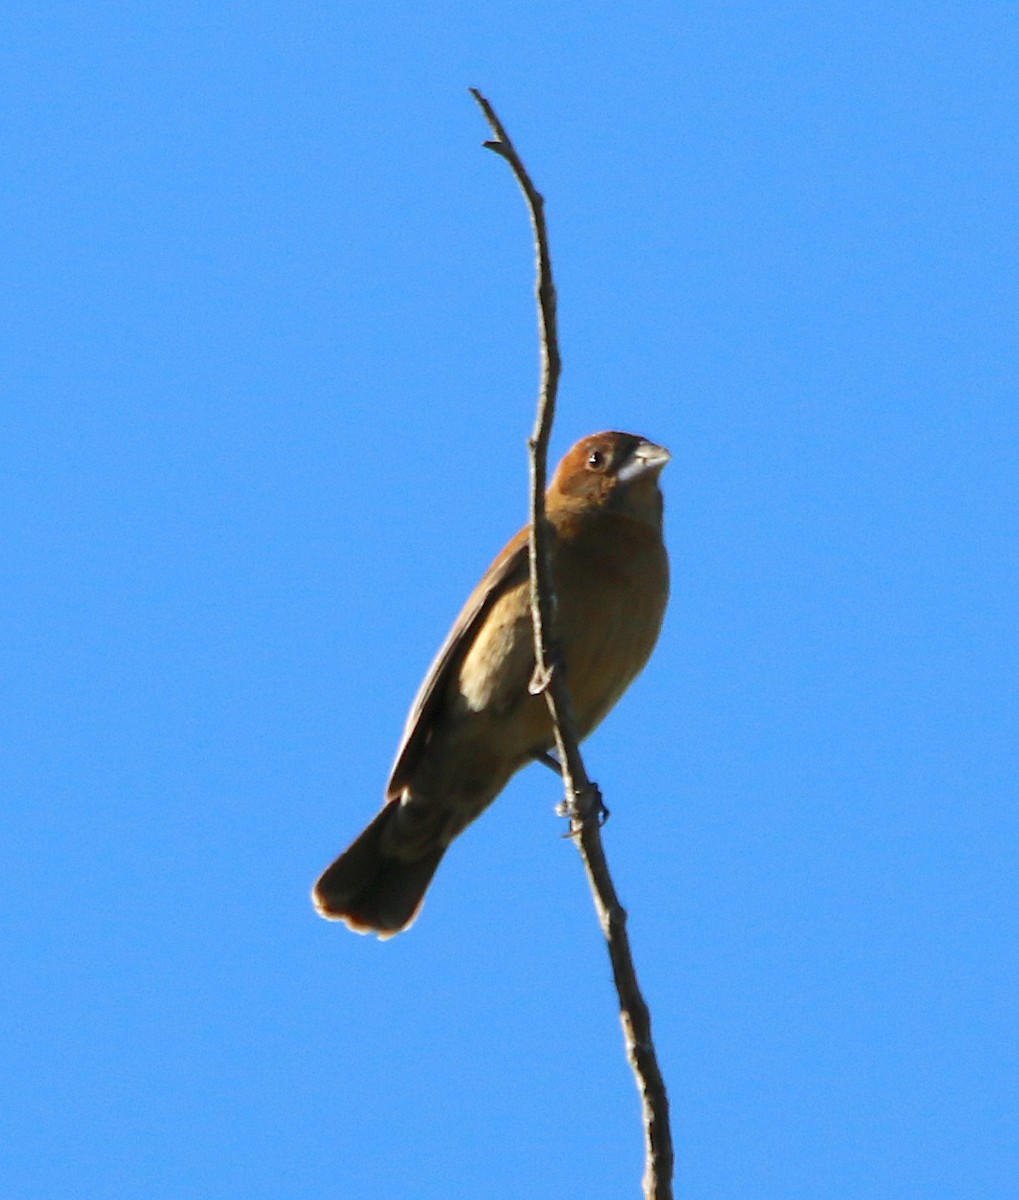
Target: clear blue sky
pixel 268 366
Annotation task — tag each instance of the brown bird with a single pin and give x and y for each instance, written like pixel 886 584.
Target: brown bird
pixel 474 724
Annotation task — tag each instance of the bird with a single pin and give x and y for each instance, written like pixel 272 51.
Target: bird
pixel 474 722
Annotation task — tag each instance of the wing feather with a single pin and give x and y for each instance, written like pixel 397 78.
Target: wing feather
pixel 507 571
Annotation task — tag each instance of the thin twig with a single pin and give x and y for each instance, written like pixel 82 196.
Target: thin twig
pixel 583 800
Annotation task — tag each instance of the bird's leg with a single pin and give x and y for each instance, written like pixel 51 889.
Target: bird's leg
pixel 549 760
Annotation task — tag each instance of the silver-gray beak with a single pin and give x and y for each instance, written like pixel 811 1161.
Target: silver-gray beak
pixel 646 459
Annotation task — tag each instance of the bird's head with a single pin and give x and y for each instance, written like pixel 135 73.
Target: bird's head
pixel 614 472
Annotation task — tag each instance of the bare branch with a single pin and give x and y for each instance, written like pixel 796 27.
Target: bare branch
pixel 583 801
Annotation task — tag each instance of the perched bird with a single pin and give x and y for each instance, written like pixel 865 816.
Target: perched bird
pixel 474 724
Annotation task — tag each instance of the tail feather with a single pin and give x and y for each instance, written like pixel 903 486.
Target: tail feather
pixel 373 891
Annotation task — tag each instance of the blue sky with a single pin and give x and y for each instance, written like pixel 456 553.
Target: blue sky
pixel 267 346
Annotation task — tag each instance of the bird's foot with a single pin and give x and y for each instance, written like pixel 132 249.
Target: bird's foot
pixel 589 804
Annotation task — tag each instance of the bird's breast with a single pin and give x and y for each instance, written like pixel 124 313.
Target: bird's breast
pixel 612 583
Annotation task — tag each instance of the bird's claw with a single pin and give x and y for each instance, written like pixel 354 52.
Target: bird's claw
pixel 594 807
pixel 599 810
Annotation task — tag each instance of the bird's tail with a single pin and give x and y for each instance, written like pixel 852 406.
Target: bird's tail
pixel 371 888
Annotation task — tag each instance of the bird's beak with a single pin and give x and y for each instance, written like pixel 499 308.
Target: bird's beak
pixel 646 459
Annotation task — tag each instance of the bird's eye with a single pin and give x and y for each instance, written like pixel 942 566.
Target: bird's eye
pixel 596 460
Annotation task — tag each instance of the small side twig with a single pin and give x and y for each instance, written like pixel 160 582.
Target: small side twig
pixel 583 801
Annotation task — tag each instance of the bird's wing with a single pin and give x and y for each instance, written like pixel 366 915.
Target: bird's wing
pixel 508 570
